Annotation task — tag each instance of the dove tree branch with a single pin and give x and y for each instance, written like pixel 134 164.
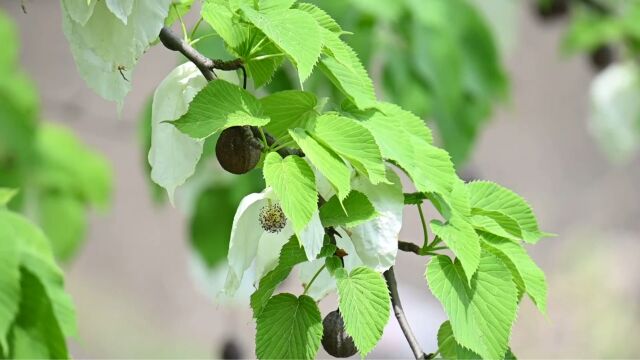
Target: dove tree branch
pixel 206 66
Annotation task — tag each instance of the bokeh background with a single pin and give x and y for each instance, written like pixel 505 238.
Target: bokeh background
pixel 136 286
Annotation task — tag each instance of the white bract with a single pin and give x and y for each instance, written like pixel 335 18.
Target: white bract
pixel 253 240
pixel 376 241
pixel 615 110
pixel 108 37
pixel 173 155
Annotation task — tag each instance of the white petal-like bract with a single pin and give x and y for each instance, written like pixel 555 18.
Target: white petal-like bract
pixel 245 236
pixel 173 156
pixel 376 241
pixel 103 46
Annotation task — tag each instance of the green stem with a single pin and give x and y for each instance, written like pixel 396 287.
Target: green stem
pixel 424 227
pixel 264 138
pixel 193 42
pixel 184 27
pixel 195 27
pixel 306 288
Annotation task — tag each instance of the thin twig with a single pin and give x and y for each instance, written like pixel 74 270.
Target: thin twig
pixel 400 316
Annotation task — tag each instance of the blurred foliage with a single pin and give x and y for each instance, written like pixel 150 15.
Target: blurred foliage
pixel 608 32
pixel 60 178
pixel 36 313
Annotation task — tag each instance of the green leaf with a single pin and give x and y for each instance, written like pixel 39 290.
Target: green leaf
pixel 218 106
pixel 274 5
pixel 36 333
pixel 449 347
pixel 323 19
pixel 358 210
pixel 462 239
pixel 67 164
pixel 104 43
pixel 351 140
pixel 326 161
pixel 496 223
pixel 173 155
pixel 363 300
pixel 451 350
pixel 344 69
pixel 262 69
pixel 6 195
pixel 289 327
pixel 45 309
pixel 63 218
pixel 291 254
pixel 333 263
pixel 294 184
pixel 9 37
pixel 482 313
pixel 178 9
pixel 288 109
pixel 221 19
pixel 488 196
pixel 524 269
pixel 405 139
pixel 9 283
pixel 283 28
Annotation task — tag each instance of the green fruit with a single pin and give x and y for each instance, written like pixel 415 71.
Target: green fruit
pixel 335 339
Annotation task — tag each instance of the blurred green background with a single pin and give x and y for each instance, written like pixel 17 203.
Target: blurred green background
pixel 492 76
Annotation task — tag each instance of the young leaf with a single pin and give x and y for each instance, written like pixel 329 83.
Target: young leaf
pixel 294 184
pixel 462 239
pixel 173 156
pixel 289 327
pixel 288 109
pixel 351 140
pixel 358 210
pixel 344 69
pixel 283 28
pixel 524 269
pixel 326 161
pixel 482 313
pixel 488 196
pixel 218 106
pixel 364 305
pixel 405 139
